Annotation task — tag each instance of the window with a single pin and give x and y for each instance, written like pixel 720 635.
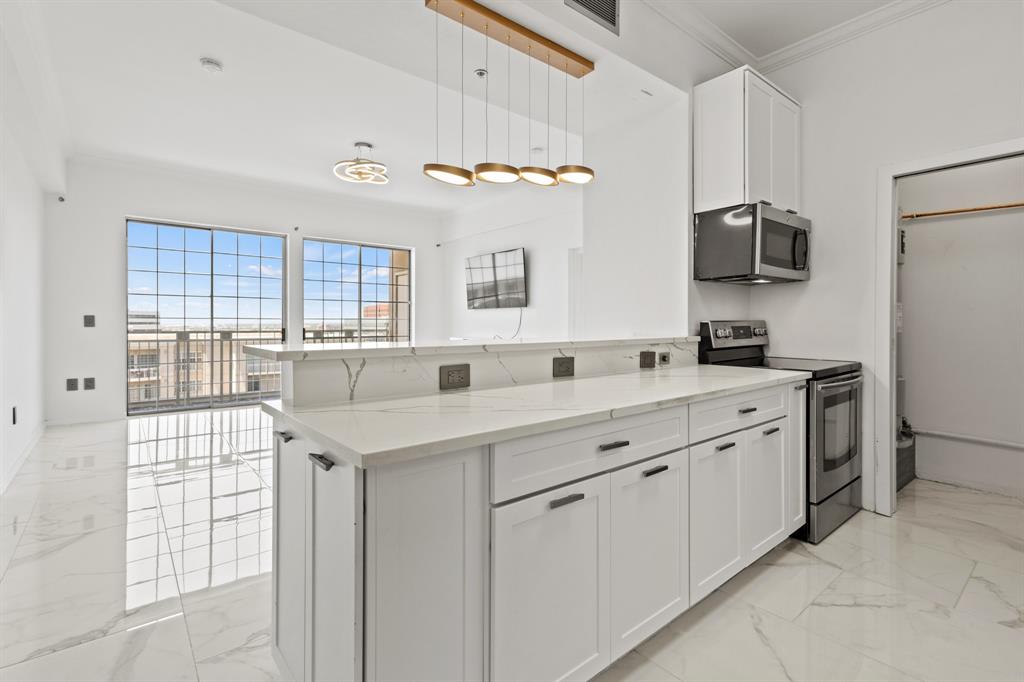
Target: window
pixel 355 292
pixel 195 297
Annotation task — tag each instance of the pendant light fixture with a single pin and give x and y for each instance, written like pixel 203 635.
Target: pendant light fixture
pixel 538 175
pixel 575 174
pixel 488 171
pixel 362 169
pixel 446 173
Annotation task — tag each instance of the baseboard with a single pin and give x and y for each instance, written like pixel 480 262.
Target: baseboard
pixel 984 487
pixel 7 476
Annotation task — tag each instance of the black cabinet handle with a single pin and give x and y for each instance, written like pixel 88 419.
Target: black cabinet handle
pixel 656 470
pixel 285 436
pixel 568 499
pixel 321 461
pixel 725 446
pixel 801 387
pixel 748 410
pixel 613 446
pixel 774 429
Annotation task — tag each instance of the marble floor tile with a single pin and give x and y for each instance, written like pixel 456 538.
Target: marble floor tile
pixel 240 665
pixel 994 595
pixel 725 638
pixel 232 617
pixel 634 667
pixel 915 635
pixel 157 651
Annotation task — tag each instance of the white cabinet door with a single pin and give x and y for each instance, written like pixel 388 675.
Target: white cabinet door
pixel 718 150
pixel 426 568
pixel 758 97
pixel 796 462
pixel 785 171
pixel 334 560
pixel 764 488
pixel 716 552
pixel 289 579
pixel 649 548
pixel 549 585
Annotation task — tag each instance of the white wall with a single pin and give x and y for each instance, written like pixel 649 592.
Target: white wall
pixel 85 260
pixel 945 79
pixel 635 216
pixel 963 321
pixel 547 222
pixel 21 298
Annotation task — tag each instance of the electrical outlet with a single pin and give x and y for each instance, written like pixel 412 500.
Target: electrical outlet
pixel 90 383
pixel 89 320
pixel 454 376
pixel 563 367
pixel 664 358
pixel 647 359
pixel 72 384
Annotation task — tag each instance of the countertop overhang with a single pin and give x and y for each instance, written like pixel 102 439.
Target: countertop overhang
pixel 379 432
pixel 340 351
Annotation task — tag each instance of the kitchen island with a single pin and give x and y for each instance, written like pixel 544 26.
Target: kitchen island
pixel 533 531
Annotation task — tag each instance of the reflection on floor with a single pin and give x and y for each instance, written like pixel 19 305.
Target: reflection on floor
pixel 140 550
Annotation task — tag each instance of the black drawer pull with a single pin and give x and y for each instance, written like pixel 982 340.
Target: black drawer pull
pixel 725 446
pixel 656 470
pixel 284 436
pixel 613 446
pixel 321 461
pixel 774 429
pixel 568 499
pixel 748 410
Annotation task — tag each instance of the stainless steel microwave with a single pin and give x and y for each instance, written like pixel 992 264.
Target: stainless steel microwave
pixel 750 244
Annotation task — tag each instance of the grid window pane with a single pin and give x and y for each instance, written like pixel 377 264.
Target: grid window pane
pixel 189 315
pixel 354 292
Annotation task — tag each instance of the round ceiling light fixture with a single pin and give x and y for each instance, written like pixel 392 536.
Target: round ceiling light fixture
pixel 444 172
pixel 491 171
pixel 575 174
pixel 539 175
pixel 362 169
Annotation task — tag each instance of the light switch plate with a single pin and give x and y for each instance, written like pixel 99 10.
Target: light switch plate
pixel 454 376
pixel 563 367
pixel 72 384
pixel 90 383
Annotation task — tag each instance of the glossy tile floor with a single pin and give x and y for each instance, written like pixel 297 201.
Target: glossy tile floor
pixel 140 550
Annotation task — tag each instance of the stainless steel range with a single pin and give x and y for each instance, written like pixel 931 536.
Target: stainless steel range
pixel 834 407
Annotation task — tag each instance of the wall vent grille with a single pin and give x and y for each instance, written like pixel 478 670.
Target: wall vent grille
pixel 604 12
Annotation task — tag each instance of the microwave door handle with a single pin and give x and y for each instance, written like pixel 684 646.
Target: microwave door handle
pixel 800 250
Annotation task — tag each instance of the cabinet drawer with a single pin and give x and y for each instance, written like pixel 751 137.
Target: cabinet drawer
pixel 526 465
pixel 712 418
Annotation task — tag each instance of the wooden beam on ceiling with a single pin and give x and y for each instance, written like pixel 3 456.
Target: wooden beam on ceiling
pixel 504 30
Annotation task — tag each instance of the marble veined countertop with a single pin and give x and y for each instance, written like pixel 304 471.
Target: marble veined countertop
pixel 337 351
pixel 378 432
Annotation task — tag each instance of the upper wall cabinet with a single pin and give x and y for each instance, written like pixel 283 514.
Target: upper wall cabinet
pixel 746 143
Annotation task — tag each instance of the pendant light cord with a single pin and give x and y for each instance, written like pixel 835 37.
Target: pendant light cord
pixel 437 91
pixel 508 99
pixel 565 91
pixel 462 91
pixel 529 99
pixel 583 122
pixel 547 98
pixel 487 96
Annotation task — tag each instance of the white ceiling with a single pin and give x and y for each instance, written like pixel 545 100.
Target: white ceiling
pixel 762 27
pixel 304 80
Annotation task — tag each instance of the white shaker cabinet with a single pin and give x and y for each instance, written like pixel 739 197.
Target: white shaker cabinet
pixel 289 613
pixel 649 549
pixel 764 488
pixel 796 463
pixel 716 491
pixel 746 142
pixel 549 584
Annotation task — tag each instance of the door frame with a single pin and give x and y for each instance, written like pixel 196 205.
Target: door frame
pixel 886 237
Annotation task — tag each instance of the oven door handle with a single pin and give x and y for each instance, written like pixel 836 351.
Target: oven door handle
pixel 840 384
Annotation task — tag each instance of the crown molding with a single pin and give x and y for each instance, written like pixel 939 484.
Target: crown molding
pixel 703 30
pixel 846 31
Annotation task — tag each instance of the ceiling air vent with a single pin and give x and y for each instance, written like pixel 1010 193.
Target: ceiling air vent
pixel 604 12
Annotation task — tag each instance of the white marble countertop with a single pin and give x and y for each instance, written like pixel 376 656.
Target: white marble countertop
pixel 338 351
pixel 380 432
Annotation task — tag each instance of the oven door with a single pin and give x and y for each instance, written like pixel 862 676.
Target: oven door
pixel 780 244
pixel 835 438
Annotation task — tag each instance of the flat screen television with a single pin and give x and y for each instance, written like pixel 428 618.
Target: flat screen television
pixel 496 280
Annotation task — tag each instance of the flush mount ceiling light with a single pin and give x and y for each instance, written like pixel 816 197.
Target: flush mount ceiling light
pixel 443 172
pixel 362 169
pixel 489 171
pixel 575 174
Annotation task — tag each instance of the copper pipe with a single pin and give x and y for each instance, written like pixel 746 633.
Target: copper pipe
pixel 959 211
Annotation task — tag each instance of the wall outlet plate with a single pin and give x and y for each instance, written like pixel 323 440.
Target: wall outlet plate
pixel 89 383
pixel 72 384
pixel 664 358
pixel 647 359
pixel 563 367
pixel 89 320
pixel 454 376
